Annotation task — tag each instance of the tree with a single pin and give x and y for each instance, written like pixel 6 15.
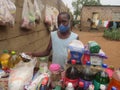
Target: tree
pixel 77 5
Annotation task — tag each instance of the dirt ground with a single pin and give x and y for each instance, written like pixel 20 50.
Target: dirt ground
pixel 111 48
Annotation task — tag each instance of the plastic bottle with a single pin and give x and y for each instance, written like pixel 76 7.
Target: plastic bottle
pixel 12 59
pixel 43 64
pixel 113 88
pixel 101 78
pixel 86 76
pixel 72 75
pixel 4 59
pixel 115 81
pixel 80 86
pixel 93 47
pixel 69 86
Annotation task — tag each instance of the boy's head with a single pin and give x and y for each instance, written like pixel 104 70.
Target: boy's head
pixel 64 21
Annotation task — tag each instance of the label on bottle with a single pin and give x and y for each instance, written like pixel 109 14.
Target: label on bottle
pixel 96 60
pixel 86 83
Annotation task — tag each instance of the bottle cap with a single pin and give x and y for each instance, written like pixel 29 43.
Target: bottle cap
pixel 91 87
pixel 13 52
pixel 54 67
pixel 113 88
pixel 70 84
pixel 81 84
pixel 73 61
pixel 102 87
pixel 88 63
pixel 104 65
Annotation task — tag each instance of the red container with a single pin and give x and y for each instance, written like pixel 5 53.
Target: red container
pixel 86 58
pixel 74 82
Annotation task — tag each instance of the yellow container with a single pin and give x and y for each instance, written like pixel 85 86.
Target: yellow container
pixel 4 60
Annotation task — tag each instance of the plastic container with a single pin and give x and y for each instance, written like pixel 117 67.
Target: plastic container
pixel 93 47
pixel 86 75
pixel 4 60
pixel 55 76
pixel 115 81
pixel 80 86
pixel 14 59
pixel 75 51
pixel 71 75
pixel 101 78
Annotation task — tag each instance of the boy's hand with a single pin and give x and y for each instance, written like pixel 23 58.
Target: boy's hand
pixel 29 53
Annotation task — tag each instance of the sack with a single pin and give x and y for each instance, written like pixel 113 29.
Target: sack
pixel 21 74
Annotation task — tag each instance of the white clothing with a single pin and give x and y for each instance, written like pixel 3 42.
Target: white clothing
pixel 60 48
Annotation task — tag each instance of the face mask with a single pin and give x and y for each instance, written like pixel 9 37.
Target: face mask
pixel 63 28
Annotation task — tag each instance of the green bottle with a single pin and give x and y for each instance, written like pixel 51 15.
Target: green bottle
pixel 94 47
pixel 101 78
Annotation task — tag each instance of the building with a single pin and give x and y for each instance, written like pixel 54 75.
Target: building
pixel 98 12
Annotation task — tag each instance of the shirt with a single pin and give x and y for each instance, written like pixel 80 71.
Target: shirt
pixel 60 48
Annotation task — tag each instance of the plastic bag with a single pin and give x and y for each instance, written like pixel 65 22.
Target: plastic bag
pixel 37 12
pixel 11 7
pixel 21 74
pixel 5 14
pixel 36 82
pixel 28 15
pixel 51 14
pixel 48 15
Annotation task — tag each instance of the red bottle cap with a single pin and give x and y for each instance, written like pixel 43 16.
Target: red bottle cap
pixel 81 84
pixel 73 61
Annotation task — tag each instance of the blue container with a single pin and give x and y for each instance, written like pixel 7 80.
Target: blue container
pixel 76 56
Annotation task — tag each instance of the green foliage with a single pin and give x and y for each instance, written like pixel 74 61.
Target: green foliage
pixel 112 34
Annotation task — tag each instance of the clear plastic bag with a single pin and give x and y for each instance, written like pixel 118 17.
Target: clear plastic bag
pixel 6 8
pixel 28 15
pixel 21 74
pixel 37 11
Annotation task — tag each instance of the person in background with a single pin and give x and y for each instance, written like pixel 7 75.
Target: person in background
pixel 59 41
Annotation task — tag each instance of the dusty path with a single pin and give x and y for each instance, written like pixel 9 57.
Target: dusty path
pixel 111 48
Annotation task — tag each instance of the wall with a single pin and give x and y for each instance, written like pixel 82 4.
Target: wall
pixel 24 41
pixel 105 13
